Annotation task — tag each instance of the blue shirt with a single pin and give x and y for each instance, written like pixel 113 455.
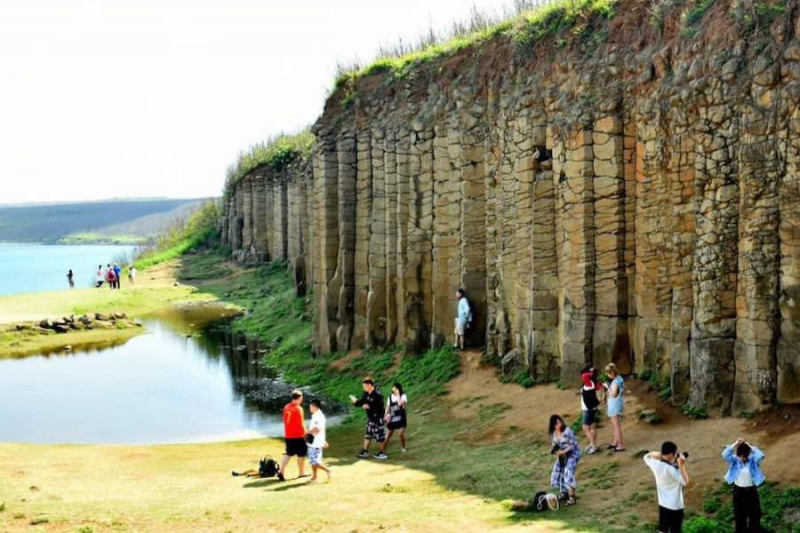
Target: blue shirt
pixel 463 311
pixel 735 465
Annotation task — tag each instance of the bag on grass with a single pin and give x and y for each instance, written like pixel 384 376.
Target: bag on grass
pixel 267 467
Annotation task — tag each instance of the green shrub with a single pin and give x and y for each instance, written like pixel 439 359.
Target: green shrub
pixel 696 413
pixel 276 153
pixel 197 230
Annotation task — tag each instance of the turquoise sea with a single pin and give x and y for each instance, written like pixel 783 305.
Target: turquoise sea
pixel 35 267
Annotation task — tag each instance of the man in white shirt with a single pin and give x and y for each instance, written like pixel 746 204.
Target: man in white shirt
pixel 317 430
pixel 671 476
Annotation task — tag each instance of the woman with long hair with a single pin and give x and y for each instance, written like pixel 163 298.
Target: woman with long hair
pixel 568 453
pixel 616 404
pixel 396 418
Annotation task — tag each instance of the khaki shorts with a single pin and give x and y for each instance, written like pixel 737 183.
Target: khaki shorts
pixel 459 328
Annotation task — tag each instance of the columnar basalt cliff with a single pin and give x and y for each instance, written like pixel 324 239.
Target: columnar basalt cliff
pixel 635 201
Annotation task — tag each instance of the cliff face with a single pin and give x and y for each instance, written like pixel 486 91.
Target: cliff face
pixel 638 203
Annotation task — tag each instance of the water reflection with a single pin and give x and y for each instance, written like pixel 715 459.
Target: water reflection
pixel 187 379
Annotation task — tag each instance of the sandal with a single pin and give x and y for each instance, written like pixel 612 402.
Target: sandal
pixel 611 447
pixel 619 449
pixel 571 501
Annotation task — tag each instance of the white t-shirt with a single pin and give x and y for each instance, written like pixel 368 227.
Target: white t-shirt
pixel 318 421
pixel 669 483
pixel 745 478
pixel 396 399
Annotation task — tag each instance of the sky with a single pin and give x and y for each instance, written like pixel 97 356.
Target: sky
pixel 155 98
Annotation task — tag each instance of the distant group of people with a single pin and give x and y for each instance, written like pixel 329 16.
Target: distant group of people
pixel 109 276
pixel 668 466
pixel 112 275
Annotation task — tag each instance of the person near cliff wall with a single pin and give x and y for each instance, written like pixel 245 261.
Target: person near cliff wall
pixel 463 318
pixel 745 476
pixel 616 405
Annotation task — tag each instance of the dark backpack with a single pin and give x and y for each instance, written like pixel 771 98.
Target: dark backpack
pixel 267 467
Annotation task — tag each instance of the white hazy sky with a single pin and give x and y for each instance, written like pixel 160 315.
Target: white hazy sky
pixel 112 98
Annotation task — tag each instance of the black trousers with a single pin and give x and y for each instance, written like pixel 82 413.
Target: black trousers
pixel 746 509
pixel 669 520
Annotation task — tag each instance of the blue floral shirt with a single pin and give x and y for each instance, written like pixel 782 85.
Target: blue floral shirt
pixel 735 465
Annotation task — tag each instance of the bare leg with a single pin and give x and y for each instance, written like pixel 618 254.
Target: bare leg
pixel 591 435
pixel 284 462
pixel 388 437
pixel 314 472
pixel 321 466
pixel 366 444
pixel 402 434
pixel 617 423
pixel 301 465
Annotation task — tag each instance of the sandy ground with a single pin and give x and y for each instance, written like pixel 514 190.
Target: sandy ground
pixel 777 433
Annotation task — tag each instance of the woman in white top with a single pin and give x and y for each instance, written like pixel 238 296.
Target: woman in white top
pixel 132 274
pixel 396 418
pixel 101 277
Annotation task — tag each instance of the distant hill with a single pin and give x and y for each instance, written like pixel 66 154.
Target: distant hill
pixel 111 221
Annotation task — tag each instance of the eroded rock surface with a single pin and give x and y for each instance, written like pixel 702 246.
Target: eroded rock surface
pixel 637 205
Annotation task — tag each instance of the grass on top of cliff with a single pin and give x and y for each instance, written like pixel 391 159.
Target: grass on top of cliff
pixel 530 26
pixel 276 152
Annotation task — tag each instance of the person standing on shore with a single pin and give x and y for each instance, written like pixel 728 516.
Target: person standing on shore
pixel 117 274
pixel 111 278
pixel 100 277
pixel 71 279
pixel 294 432
pixel 132 275
pixel 744 474
pixel 318 440
pixel 372 402
pixel 669 469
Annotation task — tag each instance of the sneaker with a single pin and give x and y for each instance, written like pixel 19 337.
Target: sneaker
pixel 380 455
pixel 363 454
pixel 405 450
pixel 591 450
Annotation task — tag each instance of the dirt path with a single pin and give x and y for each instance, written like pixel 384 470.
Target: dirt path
pixel 528 411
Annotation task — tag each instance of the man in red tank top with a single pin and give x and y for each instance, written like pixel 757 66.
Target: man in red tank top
pixel 294 430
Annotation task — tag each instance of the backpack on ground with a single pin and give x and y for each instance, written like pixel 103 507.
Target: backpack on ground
pixel 267 467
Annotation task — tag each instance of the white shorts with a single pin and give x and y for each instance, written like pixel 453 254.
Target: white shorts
pixel 459 328
pixel 314 455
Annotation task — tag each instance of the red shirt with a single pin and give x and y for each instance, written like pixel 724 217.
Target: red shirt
pixel 294 424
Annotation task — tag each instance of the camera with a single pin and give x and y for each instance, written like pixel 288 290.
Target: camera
pixel 554 449
pixel 685 455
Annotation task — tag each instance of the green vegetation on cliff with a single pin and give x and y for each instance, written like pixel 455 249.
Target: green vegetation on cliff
pixel 276 153
pixel 526 29
pixel 198 230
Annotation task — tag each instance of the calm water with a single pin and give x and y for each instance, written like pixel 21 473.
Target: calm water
pixel 169 385
pixel 35 268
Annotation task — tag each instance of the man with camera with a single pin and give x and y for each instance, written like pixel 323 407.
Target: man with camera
pixel 669 469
